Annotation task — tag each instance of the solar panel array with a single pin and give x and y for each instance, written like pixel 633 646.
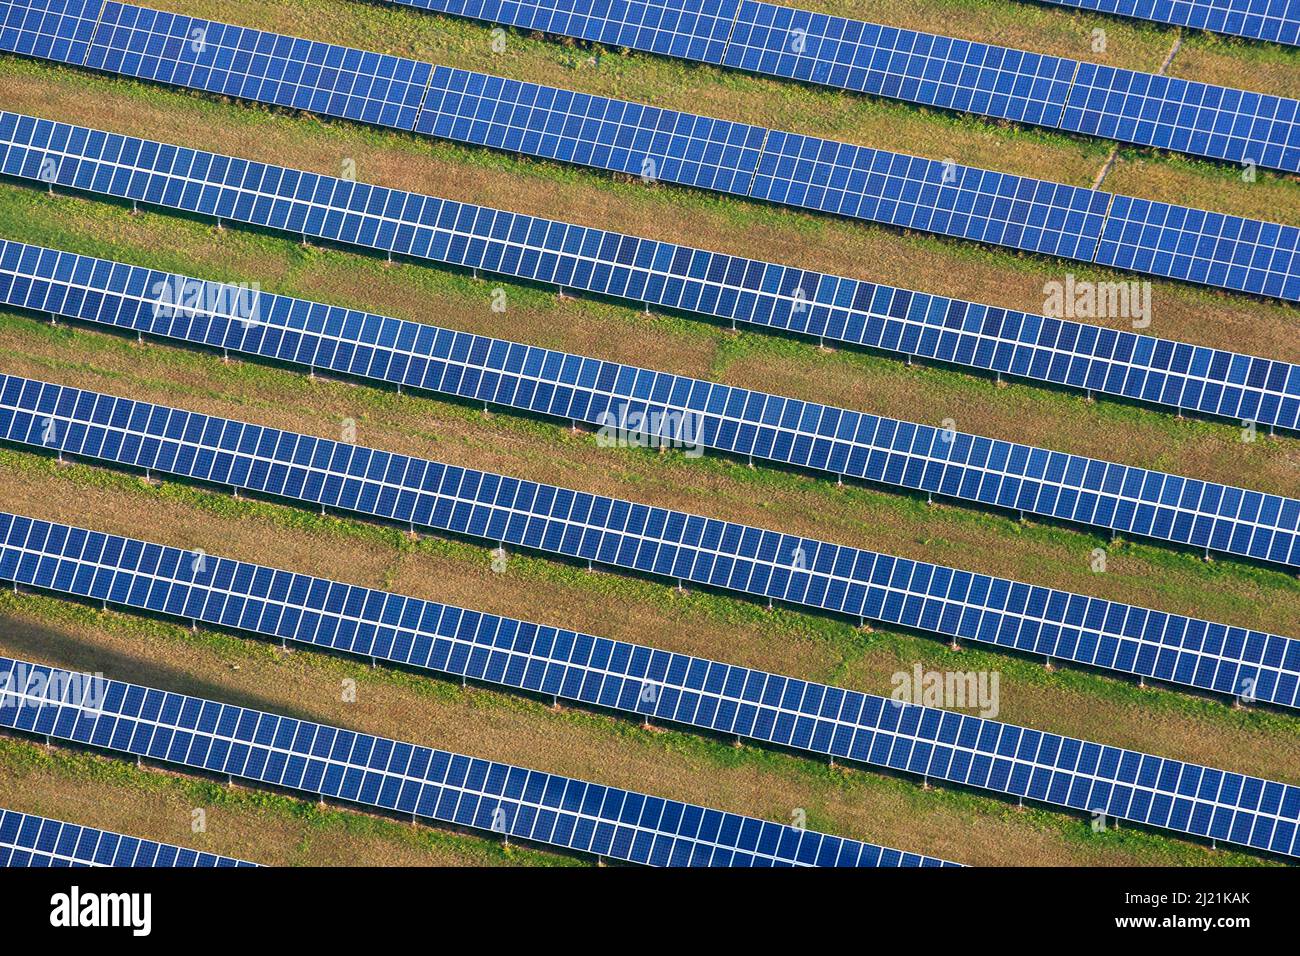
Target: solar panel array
pixel 420 781
pixel 1276 20
pixel 27 840
pixel 899 190
pixel 1147 109
pixel 657 406
pixel 657 541
pixel 760 293
pixel 651 683
pixel 703 152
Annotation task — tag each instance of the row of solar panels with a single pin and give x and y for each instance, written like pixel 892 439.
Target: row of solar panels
pixel 1276 20
pixel 422 782
pixel 650 683
pixel 27 840
pixel 1072 96
pixel 656 541
pixel 806 172
pixel 662 408
pixel 734 288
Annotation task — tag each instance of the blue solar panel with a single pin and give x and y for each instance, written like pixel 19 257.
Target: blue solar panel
pixel 634 679
pixel 1184 116
pixel 1276 20
pixel 1198 246
pixel 760 293
pixel 649 540
pixel 900 64
pixel 256 65
pixel 405 778
pixel 27 840
pixel 931 196
pixel 691 29
pixel 655 405
pixel 591 130
pixel 663 145
pixel 891 188
pixel 1143 108
pixel 59 30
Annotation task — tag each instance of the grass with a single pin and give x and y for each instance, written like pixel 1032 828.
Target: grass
pixel 619 752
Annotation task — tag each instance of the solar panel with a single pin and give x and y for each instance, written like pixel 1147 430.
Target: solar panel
pixel 734 288
pixel 656 541
pixel 900 64
pixel 1146 109
pixel 692 29
pixel 1275 20
pixel 930 196
pixel 405 778
pixel 1184 116
pixel 663 145
pixel 828 176
pixel 27 840
pixel 591 130
pixel 256 65
pixel 1189 244
pixel 639 680
pixel 655 406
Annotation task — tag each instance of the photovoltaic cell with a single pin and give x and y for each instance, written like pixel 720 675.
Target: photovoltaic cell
pixel 752 561
pixel 945 198
pixel 27 840
pixel 653 407
pixel 639 680
pixel 727 287
pixel 406 778
pixel 659 144
pixel 1199 246
pixel 1276 20
pixel 930 196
